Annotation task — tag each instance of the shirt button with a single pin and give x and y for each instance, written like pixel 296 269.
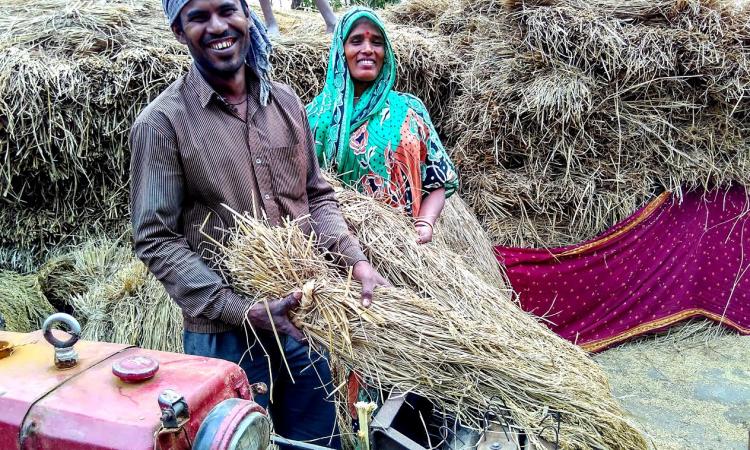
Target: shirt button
pixel 257 161
pixel 267 196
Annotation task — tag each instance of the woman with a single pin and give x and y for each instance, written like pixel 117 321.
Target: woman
pixel 379 141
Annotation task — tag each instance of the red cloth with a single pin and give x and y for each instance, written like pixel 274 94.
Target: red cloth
pixel 668 262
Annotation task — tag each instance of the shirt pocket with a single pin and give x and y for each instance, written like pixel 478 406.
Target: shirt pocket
pixel 288 168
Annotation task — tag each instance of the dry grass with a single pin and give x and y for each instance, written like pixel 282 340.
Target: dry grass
pixel 687 388
pixel 442 332
pixel 17 260
pixel 130 307
pixel 459 230
pixel 22 303
pixel 563 116
pixel 570 114
pixel 460 257
pixel 113 295
pixel 74 75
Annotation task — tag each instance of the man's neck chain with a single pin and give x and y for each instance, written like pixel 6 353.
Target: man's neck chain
pixel 236 104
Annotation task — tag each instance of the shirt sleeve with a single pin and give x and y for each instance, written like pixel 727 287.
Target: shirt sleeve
pixel 156 197
pixel 438 170
pixel 329 226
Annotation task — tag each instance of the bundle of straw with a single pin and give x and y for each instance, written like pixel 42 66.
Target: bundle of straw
pixel 467 349
pixel 72 270
pixel 460 256
pixel 459 230
pixel 457 233
pixel 130 307
pixel 113 295
pixel 22 303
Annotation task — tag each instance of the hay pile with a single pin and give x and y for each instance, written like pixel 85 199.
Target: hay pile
pixel 459 230
pixel 74 75
pixel 113 295
pixel 572 113
pixel 23 306
pixel 18 260
pixel 563 115
pixel 443 332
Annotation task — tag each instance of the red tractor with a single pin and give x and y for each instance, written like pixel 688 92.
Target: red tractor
pixel 98 395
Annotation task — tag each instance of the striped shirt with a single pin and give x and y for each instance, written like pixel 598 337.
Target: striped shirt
pixel 191 153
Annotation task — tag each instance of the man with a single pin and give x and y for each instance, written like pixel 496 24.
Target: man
pixel 224 134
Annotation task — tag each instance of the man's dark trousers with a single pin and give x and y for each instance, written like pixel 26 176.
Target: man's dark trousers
pixel 300 410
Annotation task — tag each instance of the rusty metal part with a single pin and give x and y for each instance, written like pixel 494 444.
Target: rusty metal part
pixel 259 388
pixel 6 349
pixel 385 435
pixel 174 409
pixel 65 358
pixel 65 355
pixel 175 416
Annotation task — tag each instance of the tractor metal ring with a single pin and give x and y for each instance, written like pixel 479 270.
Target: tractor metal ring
pixel 73 326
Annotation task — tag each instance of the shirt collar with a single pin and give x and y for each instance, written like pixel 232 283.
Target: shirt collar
pixel 206 93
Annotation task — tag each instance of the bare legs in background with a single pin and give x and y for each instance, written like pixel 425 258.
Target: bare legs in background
pixel 323 6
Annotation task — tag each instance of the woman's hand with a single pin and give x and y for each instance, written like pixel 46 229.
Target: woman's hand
pixel 432 206
pixel 424 231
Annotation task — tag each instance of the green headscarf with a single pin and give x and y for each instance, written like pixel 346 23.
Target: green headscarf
pixel 332 114
pixel 389 115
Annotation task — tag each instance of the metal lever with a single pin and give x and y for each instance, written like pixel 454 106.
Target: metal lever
pixel 278 440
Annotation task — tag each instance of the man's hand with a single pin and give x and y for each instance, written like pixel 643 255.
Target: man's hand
pixel 279 319
pixel 369 277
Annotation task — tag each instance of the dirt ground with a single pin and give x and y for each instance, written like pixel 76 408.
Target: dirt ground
pixel 688 389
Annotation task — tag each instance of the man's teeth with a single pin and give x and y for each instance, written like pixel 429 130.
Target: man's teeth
pixel 222 45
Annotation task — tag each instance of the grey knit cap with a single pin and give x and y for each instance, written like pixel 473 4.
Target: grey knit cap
pixel 259 54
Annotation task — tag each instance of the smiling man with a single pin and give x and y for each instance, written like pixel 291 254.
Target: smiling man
pixel 225 134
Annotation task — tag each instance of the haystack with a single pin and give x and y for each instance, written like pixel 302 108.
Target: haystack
pixel 23 306
pixel 572 113
pixel 130 307
pixel 113 295
pixel 73 77
pixel 442 332
pixel 17 260
pixel 72 270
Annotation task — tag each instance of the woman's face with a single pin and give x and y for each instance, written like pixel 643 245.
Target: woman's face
pixel 365 51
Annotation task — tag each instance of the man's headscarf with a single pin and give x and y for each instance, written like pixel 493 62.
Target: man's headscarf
pixel 259 54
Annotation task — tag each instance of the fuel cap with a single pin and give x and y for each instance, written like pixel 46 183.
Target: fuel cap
pixel 133 369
